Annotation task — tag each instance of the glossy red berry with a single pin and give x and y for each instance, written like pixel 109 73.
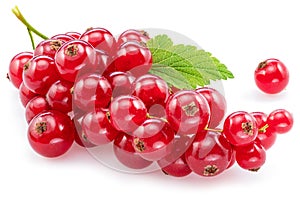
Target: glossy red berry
pixel 35 106
pixel 178 168
pixel 251 156
pixel 217 105
pixel 121 83
pixel 133 35
pixel 39 74
pixel 25 94
pixel 280 121
pixel 63 37
pixel 76 35
pixel 125 153
pixel 271 76
pixel 16 66
pixel 51 133
pixel 79 136
pixel 48 47
pixel 127 113
pixel 240 128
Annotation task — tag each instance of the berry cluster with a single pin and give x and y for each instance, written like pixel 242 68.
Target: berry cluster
pixel 95 89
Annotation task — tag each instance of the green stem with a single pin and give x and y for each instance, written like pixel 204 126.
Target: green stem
pixel 19 15
pixel 31 39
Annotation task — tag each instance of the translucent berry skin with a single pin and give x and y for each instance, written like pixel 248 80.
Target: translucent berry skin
pixel 133 35
pixel 35 106
pixel 125 153
pixel 48 47
pixel 91 91
pixel 187 112
pixel 74 56
pixel 76 35
pixel 251 156
pixel 266 135
pixel 39 74
pixel 209 154
pixel 51 133
pixel 217 105
pixel 271 76
pixel 16 66
pixel 79 136
pixel 133 57
pixel 97 128
pixel 25 94
pixel 127 113
pixel 59 96
pixel 280 121
pixel 178 168
pixel 152 140
pixel 121 83
pixel 63 37
pixel 240 128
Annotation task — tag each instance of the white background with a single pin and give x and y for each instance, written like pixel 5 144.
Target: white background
pixel 239 33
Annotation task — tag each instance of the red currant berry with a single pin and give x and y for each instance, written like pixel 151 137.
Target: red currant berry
pixel 153 139
pixel 209 154
pixel 178 168
pixel 39 74
pixel 51 133
pixel 133 35
pixel 16 67
pixel 232 161
pixel 25 94
pixel 35 106
pixel 217 105
pixel 271 76
pixel 91 91
pixel 79 136
pixel 280 121
pixel 240 128
pixel 76 35
pixel 125 153
pixel 251 156
pixel 74 56
pixel 133 57
pixel 48 47
pixel 59 96
pixel 97 128
pixel 121 83
pixel 187 112
pixel 63 37
pixel 127 113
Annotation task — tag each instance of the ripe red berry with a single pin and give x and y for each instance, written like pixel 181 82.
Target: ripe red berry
pixel 35 106
pixel 63 37
pixel 178 168
pixel 133 35
pixel 79 136
pixel 25 94
pixel 48 47
pixel 271 76
pixel 76 35
pixel 280 121
pixel 121 83
pixel 51 133
pixel 16 66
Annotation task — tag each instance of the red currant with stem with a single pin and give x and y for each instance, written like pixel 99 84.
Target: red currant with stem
pixel 133 35
pixel 217 105
pixel 74 56
pixel 280 121
pixel 127 113
pixel 48 47
pixel 271 76
pixel 209 154
pixel 25 94
pixel 251 156
pixel 178 168
pixel 63 37
pixel 97 128
pixel 59 96
pixel 74 34
pixel 153 139
pixel 51 133
pixel 187 112
pixel 125 153
pixel 121 83
pixel 240 128
pixel 16 66
pixel 39 74
pixel 91 91
pixel 133 57
pixel 35 106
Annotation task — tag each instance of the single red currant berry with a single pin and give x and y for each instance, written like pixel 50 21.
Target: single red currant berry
pixel 39 74
pixel 121 83
pixel 25 94
pixel 133 35
pixel 16 67
pixel 217 105
pixel 91 91
pixel 59 96
pixel 35 106
pixel 125 153
pixel 48 47
pixel 280 121
pixel 76 35
pixel 63 37
pixel 127 113
pixel 240 128
pixel 251 156
pixel 271 76
pixel 133 57
pixel 74 56
pixel 187 112
pixel 79 136
pixel 209 154
pixel 178 168
pixel 265 134
pixel 153 139
pixel 97 128
pixel 51 133
pixel 232 161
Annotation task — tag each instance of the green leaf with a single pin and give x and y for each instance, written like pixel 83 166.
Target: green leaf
pixel 184 66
